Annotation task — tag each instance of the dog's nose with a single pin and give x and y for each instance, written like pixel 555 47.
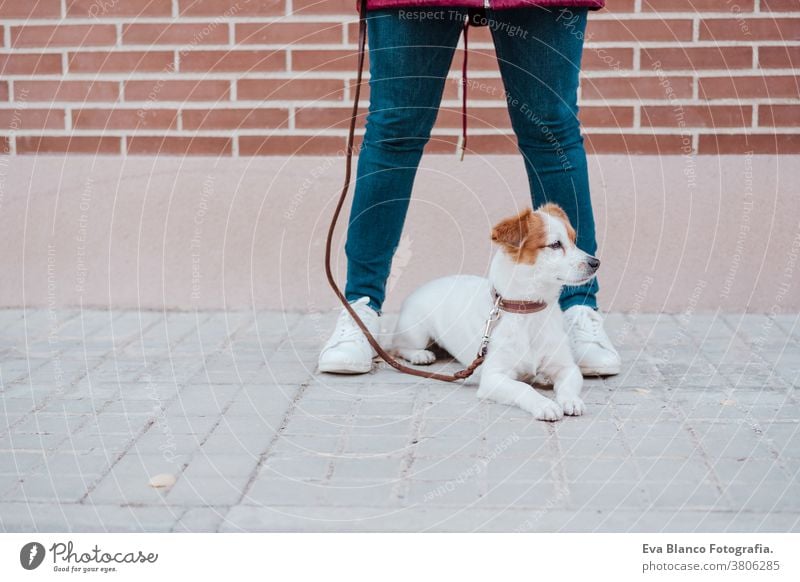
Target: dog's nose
pixel 593 263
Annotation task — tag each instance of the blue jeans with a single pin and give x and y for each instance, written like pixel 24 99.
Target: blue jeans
pixel 409 61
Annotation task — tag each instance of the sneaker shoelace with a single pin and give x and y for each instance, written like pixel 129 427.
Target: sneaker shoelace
pixel 588 326
pixel 347 330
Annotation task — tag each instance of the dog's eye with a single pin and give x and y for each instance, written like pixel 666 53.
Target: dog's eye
pixel 555 246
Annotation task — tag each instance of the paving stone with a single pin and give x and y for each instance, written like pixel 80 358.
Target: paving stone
pixel 128 489
pixel 606 494
pixel 458 491
pixel 55 488
pixel 272 492
pixel 27 517
pixel 581 469
pixel 17 462
pixel 200 519
pixel 304 444
pixel 367 468
pixel 543 495
pixel 681 495
pixel 221 464
pixel 365 446
pixel 297 467
pixel 207 490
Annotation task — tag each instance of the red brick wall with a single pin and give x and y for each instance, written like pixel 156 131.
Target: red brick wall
pixel 262 77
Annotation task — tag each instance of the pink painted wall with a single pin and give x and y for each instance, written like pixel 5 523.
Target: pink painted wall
pixel 675 233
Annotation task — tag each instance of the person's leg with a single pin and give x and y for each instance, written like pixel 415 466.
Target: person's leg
pixel 539 51
pixel 409 61
pixel 540 57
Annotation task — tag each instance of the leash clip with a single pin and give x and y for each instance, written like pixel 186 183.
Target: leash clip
pixel 494 315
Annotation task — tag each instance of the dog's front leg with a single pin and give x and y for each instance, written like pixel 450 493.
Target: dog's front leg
pixel 502 388
pixel 567 383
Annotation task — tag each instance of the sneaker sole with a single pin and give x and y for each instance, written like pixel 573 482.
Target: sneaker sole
pixel 345 369
pixel 608 371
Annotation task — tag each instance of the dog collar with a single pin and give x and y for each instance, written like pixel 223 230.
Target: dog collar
pixel 517 306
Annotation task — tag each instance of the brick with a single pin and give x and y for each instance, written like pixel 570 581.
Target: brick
pixel 30 9
pixel 451 88
pixel 751 29
pixel 289 89
pixel 634 144
pixel 203 146
pixel 16 119
pixel 607 59
pixel 758 144
pixel 232 7
pixel 694 58
pixel 697 116
pixel 779 57
pixel 478 118
pixel 290 145
pixel 479 60
pixel 5 145
pixel 621 6
pixel 329 60
pixel 748 87
pixel 635 87
pixel 124 119
pixel 232 61
pixel 68 144
pixel 30 64
pixel 3 91
pixel 63 36
pixel 162 90
pixel 478 34
pixel 291 33
pixel 638 30
pixel 105 91
pixel 778 5
pixel 235 118
pixel 693 6
pixel 779 115
pixel 327 7
pixel 120 62
pixel 326 117
pixel 600 116
pixel 478 88
pixel 117 8
pixel 190 34
pixel 352 33
pixel 478 144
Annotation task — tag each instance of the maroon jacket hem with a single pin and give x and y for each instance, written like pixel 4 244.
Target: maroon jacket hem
pixel 495 4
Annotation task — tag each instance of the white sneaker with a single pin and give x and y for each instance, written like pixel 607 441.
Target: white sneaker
pixel 593 351
pixel 348 351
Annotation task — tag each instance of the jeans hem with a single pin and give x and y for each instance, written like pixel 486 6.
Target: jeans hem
pixel 374 305
pixel 585 300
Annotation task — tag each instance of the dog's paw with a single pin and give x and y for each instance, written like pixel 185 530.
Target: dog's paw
pixel 419 357
pixel 572 406
pixel 549 411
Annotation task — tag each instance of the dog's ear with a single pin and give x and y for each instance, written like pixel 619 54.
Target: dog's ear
pixel 511 232
pixel 556 211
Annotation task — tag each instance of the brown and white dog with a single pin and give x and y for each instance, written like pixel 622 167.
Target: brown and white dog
pixel 536 258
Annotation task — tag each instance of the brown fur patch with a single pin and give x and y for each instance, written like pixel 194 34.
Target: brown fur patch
pixel 521 236
pixel 556 211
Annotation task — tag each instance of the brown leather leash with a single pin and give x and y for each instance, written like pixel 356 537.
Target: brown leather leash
pixel 499 303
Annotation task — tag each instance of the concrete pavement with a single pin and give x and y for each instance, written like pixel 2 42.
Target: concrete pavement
pixel 701 431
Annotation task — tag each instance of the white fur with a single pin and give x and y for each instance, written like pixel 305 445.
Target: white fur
pixel 452 312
